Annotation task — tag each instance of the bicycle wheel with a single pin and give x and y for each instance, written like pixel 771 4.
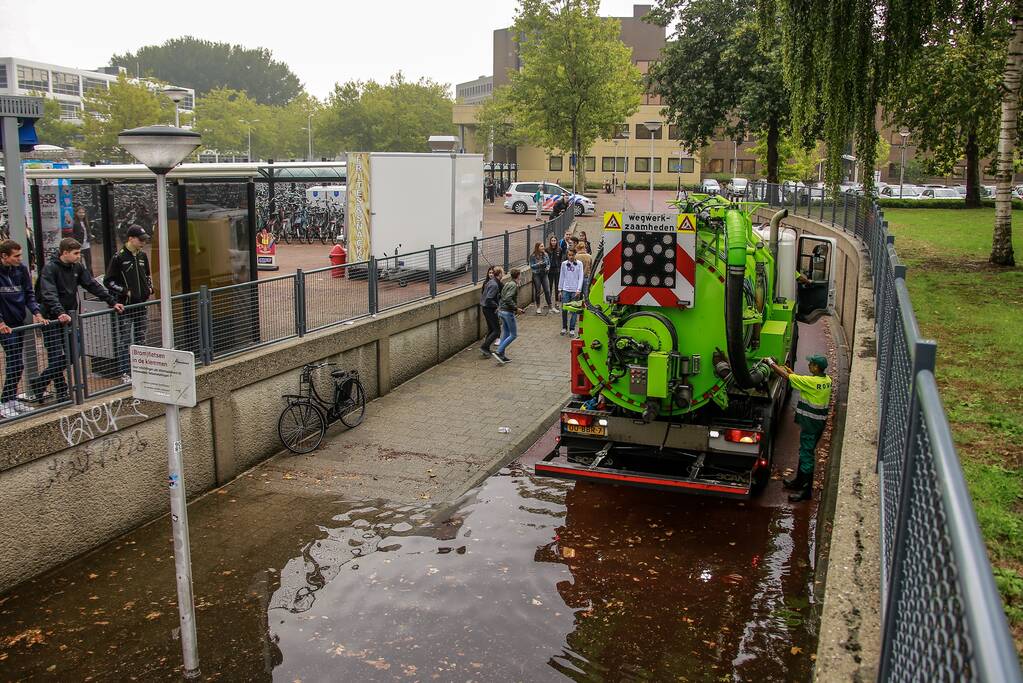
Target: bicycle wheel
pixel 301 427
pixel 353 407
pixel 322 232
pixel 286 233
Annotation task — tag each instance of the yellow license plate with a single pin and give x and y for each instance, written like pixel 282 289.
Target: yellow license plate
pixel 592 430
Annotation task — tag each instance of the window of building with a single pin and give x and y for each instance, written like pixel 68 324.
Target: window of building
pixel 643 164
pixel 33 79
pixel 676 165
pixel 620 130
pixel 70 110
pixel 90 84
pixel 893 170
pixel 3 75
pixel 188 102
pixel 555 163
pixel 65 83
pixel 743 166
pixel 591 164
pixel 608 165
pixel 643 134
pixel 673 132
pixel 716 166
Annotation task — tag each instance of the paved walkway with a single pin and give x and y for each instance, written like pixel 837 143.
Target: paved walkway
pixel 438 434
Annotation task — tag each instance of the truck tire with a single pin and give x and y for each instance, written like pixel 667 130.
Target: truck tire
pixel 519 207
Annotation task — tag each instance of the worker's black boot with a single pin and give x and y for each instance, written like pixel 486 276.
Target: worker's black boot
pixel 795 483
pixel 806 493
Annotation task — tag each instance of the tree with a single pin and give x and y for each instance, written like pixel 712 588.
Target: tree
pixel 206 65
pixel 949 97
pixel 576 81
pixel 399 116
pixel 1001 243
pixel 52 130
pixel 719 73
pixel 792 160
pixel 224 118
pixel 123 105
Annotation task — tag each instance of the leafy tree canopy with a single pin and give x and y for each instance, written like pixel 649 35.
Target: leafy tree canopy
pixel 577 78
pixel 718 72
pixel 124 105
pixel 397 116
pixel 206 65
pixel 52 130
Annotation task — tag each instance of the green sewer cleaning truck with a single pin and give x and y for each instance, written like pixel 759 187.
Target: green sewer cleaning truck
pixel 670 387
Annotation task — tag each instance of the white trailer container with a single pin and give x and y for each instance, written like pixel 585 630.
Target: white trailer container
pixel 419 200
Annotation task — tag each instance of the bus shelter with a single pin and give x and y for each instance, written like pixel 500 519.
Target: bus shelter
pixel 214 213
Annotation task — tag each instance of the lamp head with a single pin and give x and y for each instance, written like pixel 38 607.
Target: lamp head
pixel 160 148
pixel 652 126
pixel 175 94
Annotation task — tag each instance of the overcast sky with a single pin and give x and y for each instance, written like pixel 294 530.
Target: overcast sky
pixel 323 43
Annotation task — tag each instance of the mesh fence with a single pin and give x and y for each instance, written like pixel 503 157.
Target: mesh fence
pixel 334 295
pixel 454 267
pixel 36 369
pixel 491 252
pixel 252 314
pixel 402 279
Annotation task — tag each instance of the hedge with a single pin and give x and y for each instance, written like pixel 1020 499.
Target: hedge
pixel 884 203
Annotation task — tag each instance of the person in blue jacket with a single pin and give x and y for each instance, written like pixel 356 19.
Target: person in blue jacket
pixel 17 299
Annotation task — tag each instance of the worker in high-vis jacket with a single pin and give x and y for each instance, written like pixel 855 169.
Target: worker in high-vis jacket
pixel 811 416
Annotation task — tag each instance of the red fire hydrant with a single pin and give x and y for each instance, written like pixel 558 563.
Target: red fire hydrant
pixel 338 256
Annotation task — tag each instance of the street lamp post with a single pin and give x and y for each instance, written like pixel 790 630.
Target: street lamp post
pixel 735 158
pixel 176 95
pixel 902 168
pixel 248 132
pixel 161 148
pixel 614 167
pixel 310 129
pixel 653 127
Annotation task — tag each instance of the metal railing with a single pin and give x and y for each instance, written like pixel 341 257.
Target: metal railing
pixel 942 617
pixel 89 355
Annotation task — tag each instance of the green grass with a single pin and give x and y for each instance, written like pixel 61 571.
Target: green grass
pixel 975 313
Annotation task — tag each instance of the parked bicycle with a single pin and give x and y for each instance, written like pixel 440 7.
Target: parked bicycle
pixel 305 419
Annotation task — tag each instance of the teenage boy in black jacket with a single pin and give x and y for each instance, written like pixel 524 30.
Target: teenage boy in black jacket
pixel 129 279
pixel 58 292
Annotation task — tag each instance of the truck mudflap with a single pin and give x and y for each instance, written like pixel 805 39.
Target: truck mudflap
pixel 559 466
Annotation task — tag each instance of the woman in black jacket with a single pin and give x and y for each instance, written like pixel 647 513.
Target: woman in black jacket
pixel 80 232
pixel 554 273
pixel 489 295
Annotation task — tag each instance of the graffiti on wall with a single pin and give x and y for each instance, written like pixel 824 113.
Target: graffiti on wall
pixel 94 455
pixel 99 420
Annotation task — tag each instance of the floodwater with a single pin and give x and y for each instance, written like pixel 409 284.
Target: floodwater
pixel 524 579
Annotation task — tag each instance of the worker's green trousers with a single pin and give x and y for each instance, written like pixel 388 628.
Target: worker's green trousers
pixel 809 434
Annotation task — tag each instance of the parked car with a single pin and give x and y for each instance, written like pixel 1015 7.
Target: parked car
pixel 711 186
pixel 902 192
pixel 739 187
pixel 940 193
pixel 960 190
pixel 519 198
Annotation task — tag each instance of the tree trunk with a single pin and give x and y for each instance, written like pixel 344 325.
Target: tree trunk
pixel 972 171
pixel 1001 245
pixel 773 135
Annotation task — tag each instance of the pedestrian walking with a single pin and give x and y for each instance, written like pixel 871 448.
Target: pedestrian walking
pixel 556 256
pixel 508 308
pixel 58 293
pixel 571 289
pixel 538 201
pixel 539 264
pixel 490 296
pixel 16 300
pixel 130 280
pixel 811 416
pixel 488 185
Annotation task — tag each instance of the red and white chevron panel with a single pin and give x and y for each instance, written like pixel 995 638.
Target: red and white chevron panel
pixel 650 259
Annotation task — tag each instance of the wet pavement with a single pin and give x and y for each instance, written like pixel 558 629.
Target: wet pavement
pixel 521 579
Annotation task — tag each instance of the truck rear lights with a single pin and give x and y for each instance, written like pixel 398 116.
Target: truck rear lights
pixel 577 419
pixel 741 436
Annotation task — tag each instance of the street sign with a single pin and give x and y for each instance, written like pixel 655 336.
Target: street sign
pixel 163 375
pixel 650 222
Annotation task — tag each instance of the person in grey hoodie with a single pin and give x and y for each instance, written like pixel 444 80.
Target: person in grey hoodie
pixel 488 307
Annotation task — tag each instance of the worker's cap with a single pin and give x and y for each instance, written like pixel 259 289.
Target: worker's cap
pixel 818 360
pixel 137 231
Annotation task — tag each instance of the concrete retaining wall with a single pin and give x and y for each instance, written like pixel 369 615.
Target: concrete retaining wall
pixel 74 479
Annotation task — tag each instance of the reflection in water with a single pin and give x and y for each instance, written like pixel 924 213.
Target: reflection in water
pixel 531 576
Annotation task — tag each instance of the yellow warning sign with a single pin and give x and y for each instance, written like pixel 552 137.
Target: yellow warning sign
pixel 612 220
pixel 686 222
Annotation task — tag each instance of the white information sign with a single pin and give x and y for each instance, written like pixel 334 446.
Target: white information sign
pixel 650 222
pixel 163 375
